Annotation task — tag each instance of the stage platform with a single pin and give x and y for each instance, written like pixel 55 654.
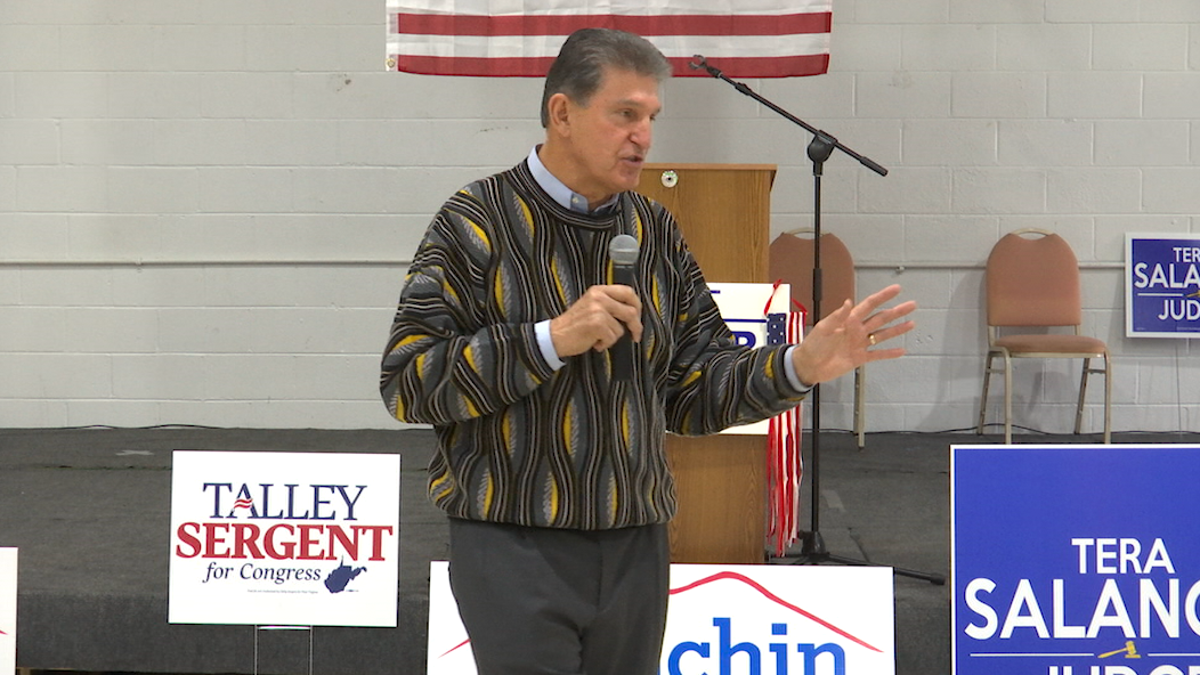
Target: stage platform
pixel 89 511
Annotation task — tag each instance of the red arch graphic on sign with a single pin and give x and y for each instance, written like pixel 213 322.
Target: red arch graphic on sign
pixel 773 598
pixel 734 576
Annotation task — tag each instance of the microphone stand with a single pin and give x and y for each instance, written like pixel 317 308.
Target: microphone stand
pixel 813 550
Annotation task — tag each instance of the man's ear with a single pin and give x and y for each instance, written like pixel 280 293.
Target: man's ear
pixel 559 113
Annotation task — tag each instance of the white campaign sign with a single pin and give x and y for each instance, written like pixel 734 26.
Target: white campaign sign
pixel 8 610
pixel 303 539
pixel 726 619
pixel 741 306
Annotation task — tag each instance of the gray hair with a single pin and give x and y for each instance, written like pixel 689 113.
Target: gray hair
pixel 579 67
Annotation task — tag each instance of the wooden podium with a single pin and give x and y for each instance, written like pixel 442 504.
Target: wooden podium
pixel 724 211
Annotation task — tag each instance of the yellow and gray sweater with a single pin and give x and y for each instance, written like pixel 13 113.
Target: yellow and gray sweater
pixel 520 442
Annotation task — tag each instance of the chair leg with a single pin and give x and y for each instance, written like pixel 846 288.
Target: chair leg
pixel 1007 399
pixel 1083 380
pixel 987 375
pixel 1088 371
pixel 860 385
pixel 1107 399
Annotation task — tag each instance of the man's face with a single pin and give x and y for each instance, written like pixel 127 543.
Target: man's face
pixel 610 137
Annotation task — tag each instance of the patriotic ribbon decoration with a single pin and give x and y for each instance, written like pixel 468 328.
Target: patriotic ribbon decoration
pixel 785 465
pixel 520 38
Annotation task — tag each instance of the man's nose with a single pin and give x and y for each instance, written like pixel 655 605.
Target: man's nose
pixel 643 134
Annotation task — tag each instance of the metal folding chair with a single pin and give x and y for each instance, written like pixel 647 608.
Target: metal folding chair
pixel 1033 282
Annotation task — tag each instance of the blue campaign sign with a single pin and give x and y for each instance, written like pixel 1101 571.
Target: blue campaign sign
pixel 1162 285
pixel 1075 560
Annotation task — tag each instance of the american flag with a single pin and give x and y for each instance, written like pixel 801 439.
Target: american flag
pixel 519 38
pixel 785 466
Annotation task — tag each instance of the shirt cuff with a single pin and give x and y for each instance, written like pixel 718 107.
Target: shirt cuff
pixel 789 367
pixel 546 344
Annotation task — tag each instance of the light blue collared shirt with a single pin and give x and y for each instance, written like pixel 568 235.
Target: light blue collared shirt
pixel 569 199
pixel 558 191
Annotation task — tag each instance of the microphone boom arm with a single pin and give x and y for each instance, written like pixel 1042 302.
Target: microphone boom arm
pixel 701 63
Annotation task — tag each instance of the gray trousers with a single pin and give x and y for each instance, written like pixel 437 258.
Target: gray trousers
pixel 539 601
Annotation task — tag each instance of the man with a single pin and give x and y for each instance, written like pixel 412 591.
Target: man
pixel 550 464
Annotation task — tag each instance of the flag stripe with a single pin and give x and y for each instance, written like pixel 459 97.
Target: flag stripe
pixel 781 66
pixel 646 26
pixel 672 46
pixel 621 7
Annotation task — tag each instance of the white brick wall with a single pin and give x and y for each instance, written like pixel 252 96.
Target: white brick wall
pixel 206 209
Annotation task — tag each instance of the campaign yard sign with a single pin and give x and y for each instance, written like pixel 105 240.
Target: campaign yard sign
pixel 8 610
pixel 303 539
pixel 737 620
pixel 1162 285
pixel 1075 560
pixel 749 310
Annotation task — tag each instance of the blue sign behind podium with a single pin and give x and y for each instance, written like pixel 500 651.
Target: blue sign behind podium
pixel 1162 285
pixel 1076 560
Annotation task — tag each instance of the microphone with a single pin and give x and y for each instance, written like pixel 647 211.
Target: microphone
pixel 623 252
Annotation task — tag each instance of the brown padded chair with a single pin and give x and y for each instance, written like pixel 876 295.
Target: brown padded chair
pixel 1034 282
pixel 791 260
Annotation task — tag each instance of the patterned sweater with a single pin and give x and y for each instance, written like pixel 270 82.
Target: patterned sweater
pixel 520 442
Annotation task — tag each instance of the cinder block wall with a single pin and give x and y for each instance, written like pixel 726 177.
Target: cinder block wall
pixel 207 208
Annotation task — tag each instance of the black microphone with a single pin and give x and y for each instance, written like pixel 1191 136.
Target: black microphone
pixel 623 252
